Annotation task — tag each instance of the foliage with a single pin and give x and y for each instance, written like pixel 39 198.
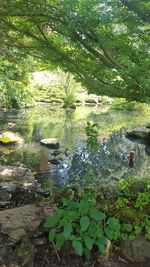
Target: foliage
pixel 69 86
pixel 122 104
pixel 14 83
pixel 139 202
pixel 56 87
pixel 83 225
pixel 104 44
pixel 92 134
pixel 88 223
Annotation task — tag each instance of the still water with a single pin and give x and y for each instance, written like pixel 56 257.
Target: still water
pixel 81 165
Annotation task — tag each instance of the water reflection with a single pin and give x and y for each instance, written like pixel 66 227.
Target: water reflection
pixel 85 166
pixel 108 164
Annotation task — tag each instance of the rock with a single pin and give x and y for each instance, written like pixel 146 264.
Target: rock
pixel 12 125
pixel 4 195
pixel 52 143
pixel 25 253
pixel 91 99
pixel 21 221
pixel 138 186
pixel 4 204
pixel 136 250
pixel 6 255
pixel 140 133
pixel 10 138
pixel 147 149
pixel 54 161
pixel 16 175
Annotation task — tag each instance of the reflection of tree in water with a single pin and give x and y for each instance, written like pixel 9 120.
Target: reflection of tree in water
pixel 109 163
pixel 68 127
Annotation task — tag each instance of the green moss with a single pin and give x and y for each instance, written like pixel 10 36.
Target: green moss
pixel 7 141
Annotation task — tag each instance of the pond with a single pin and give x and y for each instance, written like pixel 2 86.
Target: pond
pixel 81 165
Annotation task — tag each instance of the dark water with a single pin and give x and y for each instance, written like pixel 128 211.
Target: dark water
pixel 83 166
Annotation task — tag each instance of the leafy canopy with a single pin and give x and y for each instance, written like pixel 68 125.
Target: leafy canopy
pixel 105 43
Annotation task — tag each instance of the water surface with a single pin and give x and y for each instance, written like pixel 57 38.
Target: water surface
pixel 83 166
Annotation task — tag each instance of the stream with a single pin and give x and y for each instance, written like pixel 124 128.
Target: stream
pixel 74 162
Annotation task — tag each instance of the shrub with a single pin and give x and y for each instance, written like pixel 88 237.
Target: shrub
pixel 80 223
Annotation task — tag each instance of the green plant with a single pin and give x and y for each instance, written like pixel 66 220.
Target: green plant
pixel 146 225
pixel 80 223
pixel 121 202
pixel 142 200
pixel 92 134
pixel 69 86
pixel 129 232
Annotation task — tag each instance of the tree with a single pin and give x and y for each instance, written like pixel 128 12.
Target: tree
pixel 14 80
pixel 105 43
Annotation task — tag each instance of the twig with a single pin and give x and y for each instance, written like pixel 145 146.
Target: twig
pixel 56 250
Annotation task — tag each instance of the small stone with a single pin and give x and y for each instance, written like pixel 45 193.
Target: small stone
pixel 12 125
pixel 52 143
pixel 54 161
pixel 137 250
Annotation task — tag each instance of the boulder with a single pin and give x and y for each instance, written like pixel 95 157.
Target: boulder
pixel 52 143
pixel 21 221
pixel 140 133
pixel 10 138
pixel 15 175
pixel 137 250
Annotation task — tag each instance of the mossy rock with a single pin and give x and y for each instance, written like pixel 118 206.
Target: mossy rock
pixel 10 138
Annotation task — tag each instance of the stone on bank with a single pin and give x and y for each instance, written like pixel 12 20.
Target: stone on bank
pixel 52 143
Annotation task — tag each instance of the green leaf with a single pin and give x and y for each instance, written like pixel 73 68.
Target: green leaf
pixel 114 223
pixel 51 235
pixel 101 248
pixel 60 239
pixel 51 221
pixel 95 230
pixel 67 230
pixel 88 242
pixel 109 232
pixel 97 215
pixel 87 253
pixel 78 247
pixel 84 223
pixel 127 227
